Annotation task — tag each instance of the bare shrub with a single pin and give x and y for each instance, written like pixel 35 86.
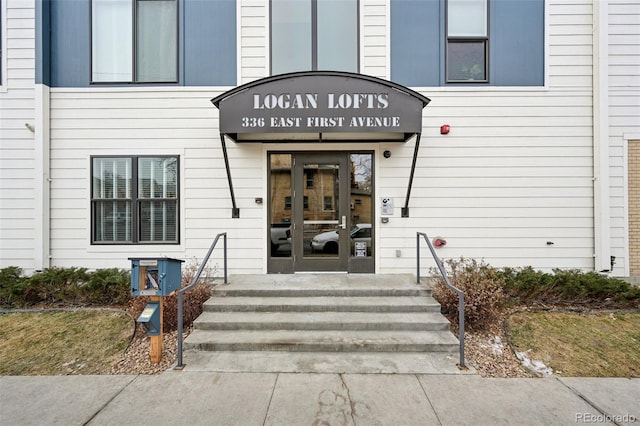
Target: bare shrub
pixel 482 286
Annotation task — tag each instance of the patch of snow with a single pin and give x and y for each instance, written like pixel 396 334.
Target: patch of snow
pixel 495 344
pixel 535 366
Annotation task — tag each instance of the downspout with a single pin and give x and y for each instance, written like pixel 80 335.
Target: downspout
pixel 41 139
pixel 42 193
pixel 601 190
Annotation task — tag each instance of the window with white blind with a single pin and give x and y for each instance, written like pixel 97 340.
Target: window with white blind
pixel 134 41
pixel 134 200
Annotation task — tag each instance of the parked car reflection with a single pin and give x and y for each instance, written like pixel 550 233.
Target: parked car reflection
pixel 327 242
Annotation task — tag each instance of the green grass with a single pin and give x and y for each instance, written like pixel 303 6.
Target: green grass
pixel 579 345
pixel 60 343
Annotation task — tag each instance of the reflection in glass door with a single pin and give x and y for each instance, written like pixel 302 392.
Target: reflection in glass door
pixel 280 205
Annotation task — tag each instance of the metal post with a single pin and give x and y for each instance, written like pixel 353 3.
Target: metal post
pixel 459 292
pixel 461 326
pixel 418 256
pixel 179 365
pixel 225 258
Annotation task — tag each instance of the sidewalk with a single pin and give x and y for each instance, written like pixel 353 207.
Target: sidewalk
pixel 213 398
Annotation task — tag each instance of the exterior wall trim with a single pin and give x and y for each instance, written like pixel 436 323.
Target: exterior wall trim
pixel 42 181
pixel 601 189
pixel 3 43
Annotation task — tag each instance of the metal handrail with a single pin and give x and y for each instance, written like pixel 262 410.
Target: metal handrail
pixel 460 293
pixel 196 277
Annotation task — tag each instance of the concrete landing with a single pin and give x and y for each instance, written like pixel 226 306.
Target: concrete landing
pixel 324 362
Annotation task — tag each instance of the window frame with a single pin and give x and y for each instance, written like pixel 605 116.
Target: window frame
pixel 309 178
pixel 467 39
pixel 314 36
pixel 134 44
pixel 136 201
pixel 327 204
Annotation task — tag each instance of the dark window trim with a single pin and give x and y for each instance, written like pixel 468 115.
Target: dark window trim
pixel 314 36
pixel 135 202
pixel 134 5
pixel 458 39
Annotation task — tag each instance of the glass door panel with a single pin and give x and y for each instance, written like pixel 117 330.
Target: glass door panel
pixel 361 205
pixel 321 212
pixel 280 205
pixel 321 220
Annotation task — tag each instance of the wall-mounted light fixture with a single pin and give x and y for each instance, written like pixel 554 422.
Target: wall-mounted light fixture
pixel 387 154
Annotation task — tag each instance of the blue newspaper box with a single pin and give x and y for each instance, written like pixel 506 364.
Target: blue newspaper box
pixel 150 319
pixel 159 276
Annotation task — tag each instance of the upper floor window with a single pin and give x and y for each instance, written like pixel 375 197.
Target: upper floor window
pixel 467 41
pixel 314 35
pixel 134 41
pixel 134 200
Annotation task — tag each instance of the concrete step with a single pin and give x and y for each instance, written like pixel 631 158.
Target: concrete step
pixel 418 321
pixel 322 341
pixel 322 304
pixel 322 292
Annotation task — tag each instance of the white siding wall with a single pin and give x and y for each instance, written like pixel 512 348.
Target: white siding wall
pixel 624 114
pixel 515 172
pixel 516 169
pixel 253 39
pixel 17 168
pixel 374 36
pixel 176 121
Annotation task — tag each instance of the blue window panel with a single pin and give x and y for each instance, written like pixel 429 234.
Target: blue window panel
pixel 43 54
pixel 210 43
pixel 70 43
pixel 207 43
pixel 417 28
pixel 516 43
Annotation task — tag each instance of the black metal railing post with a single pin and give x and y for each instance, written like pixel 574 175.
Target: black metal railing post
pixel 196 277
pixel 459 292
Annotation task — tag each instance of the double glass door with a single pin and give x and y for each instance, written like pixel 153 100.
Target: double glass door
pixel 321 212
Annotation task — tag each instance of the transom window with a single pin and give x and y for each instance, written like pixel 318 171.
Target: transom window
pixel 311 35
pixel 134 200
pixel 134 41
pixel 467 41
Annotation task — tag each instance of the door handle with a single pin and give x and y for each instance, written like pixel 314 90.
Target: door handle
pixel 343 225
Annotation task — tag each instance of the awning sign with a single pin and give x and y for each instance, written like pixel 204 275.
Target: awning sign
pixel 320 103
